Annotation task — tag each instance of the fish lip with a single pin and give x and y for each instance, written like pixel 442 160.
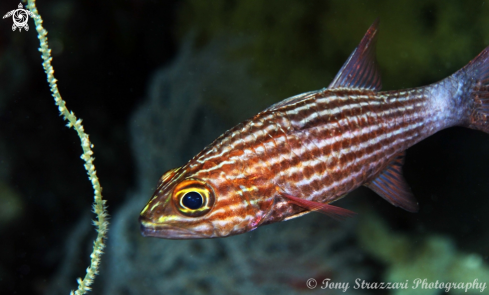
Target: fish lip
pixel 150 229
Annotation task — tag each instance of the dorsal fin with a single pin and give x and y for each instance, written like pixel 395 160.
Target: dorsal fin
pixel 360 70
pixel 392 186
pixel 291 100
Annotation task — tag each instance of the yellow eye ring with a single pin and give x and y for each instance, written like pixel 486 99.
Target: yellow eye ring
pixel 193 197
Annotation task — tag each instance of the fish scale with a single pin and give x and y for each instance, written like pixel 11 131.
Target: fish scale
pixel 330 182
pixel 307 151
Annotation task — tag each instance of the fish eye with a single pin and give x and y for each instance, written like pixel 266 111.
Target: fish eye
pixel 192 200
pixel 193 197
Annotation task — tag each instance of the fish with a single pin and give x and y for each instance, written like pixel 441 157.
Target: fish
pixel 303 153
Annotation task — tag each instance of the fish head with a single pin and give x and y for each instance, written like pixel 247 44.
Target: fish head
pixel 189 205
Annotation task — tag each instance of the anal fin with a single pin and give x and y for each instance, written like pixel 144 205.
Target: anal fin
pixel 392 186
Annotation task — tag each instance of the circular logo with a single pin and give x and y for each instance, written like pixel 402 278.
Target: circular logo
pixel 311 283
pixel 20 17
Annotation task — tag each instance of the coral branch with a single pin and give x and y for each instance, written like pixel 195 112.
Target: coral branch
pixel 99 207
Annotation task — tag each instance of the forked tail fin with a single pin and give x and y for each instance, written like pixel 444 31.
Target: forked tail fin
pixel 473 92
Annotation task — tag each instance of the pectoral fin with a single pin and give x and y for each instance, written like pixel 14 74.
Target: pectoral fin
pixel 392 186
pixel 332 211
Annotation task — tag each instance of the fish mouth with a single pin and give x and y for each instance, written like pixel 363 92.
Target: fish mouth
pixel 150 229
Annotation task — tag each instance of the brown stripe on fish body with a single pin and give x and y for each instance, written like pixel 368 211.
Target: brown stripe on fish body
pixel 378 142
pixel 241 187
pixel 333 123
pixel 347 119
pixel 392 117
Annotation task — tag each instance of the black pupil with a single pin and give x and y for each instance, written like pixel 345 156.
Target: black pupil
pixel 192 200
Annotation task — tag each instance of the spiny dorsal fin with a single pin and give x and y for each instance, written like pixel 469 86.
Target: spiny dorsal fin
pixel 392 186
pixel 291 100
pixel 360 70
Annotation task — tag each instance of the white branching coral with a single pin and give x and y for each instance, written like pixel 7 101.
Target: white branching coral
pixel 99 208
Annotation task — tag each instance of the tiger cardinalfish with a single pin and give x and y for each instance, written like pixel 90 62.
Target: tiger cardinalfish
pixel 307 151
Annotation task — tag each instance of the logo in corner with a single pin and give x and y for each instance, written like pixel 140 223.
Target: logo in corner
pixel 20 17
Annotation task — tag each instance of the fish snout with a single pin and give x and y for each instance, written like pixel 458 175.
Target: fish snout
pixel 170 231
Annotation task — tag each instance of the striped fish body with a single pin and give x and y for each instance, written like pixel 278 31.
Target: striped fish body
pixel 307 151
